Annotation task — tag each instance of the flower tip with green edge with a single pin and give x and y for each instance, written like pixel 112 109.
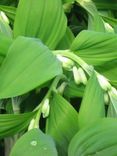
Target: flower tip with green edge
pixel 45 108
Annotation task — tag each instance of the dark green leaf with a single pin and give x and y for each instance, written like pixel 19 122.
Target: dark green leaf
pixel 11 124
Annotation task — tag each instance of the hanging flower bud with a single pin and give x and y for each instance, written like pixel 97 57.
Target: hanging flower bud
pixel 45 108
pixel 76 75
pixel 82 76
pixel 66 63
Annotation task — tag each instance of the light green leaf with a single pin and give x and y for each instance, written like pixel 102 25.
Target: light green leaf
pixel 28 65
pixel 92 106
pixel 11 124
pixel 95 48
pixel 34 143
pixel 62 123
pixel 98 139
pixel 44 19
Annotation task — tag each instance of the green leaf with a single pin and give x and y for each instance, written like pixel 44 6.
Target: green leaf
pixel 98 139
pixel 62 123
pixel 28 65
pixel 95 48
pixel 95 22
pixel 43 19
pixel 92 106
pixel 34 143
pixel 5 43
pixel 11 124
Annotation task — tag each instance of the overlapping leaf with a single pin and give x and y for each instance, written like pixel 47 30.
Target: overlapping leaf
pixel 97 139
pixel 44 19
pixel 11 124
pixel 92 106
pixel 95 47
pixel 62 123
pixel 28 65
pixel 34 143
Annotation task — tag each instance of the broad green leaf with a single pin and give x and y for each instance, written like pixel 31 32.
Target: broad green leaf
pixel 62 123
pixel 4 26
pixel 95 22
pixel 5 43
pixel 95 48
pixel 92 106
pixel 10 124
pixel 66 40
pixel 34 143
pixel 9 11
pixel 98 139
pixel 28 65
pixel 44 19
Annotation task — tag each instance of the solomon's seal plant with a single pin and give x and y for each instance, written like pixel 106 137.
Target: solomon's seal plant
pixel 58 77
